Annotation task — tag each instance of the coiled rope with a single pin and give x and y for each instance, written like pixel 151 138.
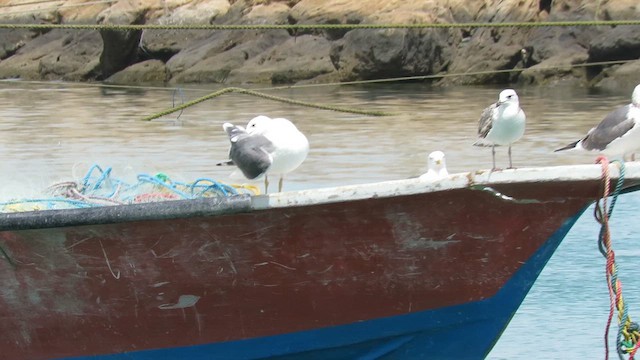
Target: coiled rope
pixel 99 188
pixel 628 337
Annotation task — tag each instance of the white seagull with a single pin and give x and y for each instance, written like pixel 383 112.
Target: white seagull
pixel 266 147
pixel 437 168
pixel 501 123
pixel 617 135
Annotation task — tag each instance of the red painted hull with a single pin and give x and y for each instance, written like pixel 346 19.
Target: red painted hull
pixel 149 284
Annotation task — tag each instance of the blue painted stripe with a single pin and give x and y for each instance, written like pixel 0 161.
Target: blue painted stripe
pixel 466 331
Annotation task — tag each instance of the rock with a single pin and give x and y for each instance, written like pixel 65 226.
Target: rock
pixel 555 69
pixel 329 12
pixel 69 63
pixel 380 53
pixel 13 39
pixel 625 76
pixel 217 67
pixel 495 55
pixel 296 59
pixel 390 53
pixel 204 56
pixel 488 51
pixel 58 54
pixel 146 72
pixel 621 43
pixel 120 47
pixel 190 12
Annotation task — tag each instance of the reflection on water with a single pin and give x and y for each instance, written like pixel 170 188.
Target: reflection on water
pixel 49 132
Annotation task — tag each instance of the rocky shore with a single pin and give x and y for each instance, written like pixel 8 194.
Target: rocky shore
pixel 537 55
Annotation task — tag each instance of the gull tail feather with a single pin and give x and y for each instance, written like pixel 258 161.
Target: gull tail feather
pixel 225 163
pixel 483 143
pixel 571 146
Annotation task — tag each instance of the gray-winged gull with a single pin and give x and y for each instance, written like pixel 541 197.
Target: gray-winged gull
pixel 266 147
pixel 617 135
pixel 501 123
pixel 437 168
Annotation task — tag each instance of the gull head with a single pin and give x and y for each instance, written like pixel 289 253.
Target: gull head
pixel 259 124
pixel 436 161
pixel 635 97
pixel 508 96
pixel 437 169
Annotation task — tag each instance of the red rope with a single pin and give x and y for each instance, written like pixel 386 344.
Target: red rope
pixel 633 351
pixel 603 218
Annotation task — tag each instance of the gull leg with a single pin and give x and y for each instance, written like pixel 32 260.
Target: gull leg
pixel 510 163
pixel 280 183
pixel 266 184
pixel 493 156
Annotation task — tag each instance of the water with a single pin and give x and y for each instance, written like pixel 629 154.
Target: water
pixel 51 132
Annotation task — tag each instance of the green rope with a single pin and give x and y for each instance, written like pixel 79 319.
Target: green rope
pixel 301 86
pixel 318 26
pixel 264 96
pixel 614 198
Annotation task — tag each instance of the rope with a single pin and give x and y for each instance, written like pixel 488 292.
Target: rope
pixel 295 27
pixel 264 96
pixel 627 339
pixel 99 188
pixel 343 109
pixel 301 86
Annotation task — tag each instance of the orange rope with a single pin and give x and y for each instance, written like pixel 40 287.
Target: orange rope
pixel 603 218
pixel 627 339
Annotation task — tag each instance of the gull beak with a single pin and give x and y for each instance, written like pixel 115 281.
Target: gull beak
pixel 438 162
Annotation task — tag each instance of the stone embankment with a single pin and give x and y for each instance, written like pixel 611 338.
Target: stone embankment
pixel 537 55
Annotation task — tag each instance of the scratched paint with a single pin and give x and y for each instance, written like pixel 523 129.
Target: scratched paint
pixel 408 232
pixel 184 301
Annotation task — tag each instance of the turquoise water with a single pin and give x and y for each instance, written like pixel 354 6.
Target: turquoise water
pixel 52 132
pixel 565 314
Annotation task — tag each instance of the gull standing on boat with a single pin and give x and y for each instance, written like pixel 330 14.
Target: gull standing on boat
pixel 617 135
pixel 437 168
pixel 266 147
pixel 501 123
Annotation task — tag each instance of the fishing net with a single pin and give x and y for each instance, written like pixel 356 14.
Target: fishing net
pixel 100 188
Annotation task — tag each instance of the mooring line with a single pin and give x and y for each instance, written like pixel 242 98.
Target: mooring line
pixel 265 96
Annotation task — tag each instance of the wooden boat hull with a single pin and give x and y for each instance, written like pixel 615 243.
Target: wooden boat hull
pixel 430 274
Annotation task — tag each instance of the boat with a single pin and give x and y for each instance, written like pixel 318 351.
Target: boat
pixel 403 269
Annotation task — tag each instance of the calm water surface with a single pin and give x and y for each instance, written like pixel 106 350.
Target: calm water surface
pixel 52 132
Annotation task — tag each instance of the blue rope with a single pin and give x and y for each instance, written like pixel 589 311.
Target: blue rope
pixel 166 184
pixel 225 189
pixel 99 186
pixel 614 198
pixel 622 345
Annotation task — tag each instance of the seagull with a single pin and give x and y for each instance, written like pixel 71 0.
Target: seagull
pixel 266 147
pixel 617 135
pixel 437 167
pixel 501 123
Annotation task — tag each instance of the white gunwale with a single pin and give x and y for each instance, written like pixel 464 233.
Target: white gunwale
pixel 568 173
